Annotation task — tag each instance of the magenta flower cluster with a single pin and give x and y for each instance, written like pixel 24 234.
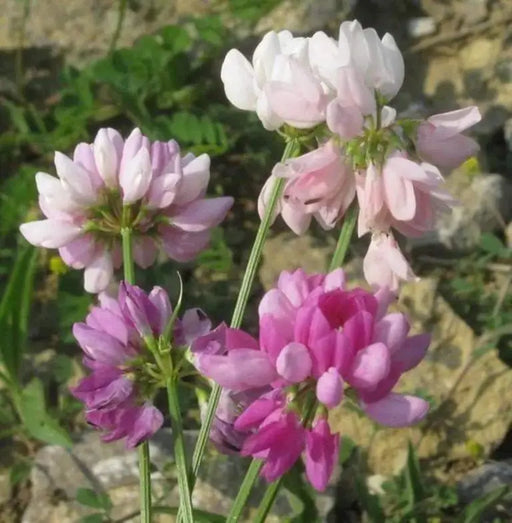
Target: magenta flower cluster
pixel 114 183
pixel 118 392
pixel 318 342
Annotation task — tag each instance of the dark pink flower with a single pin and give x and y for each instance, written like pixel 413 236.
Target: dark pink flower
pixel 316 339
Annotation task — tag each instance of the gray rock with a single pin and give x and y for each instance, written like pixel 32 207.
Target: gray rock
pixel 483 480
pixel 484 206
pixel 57 474
pixel 507 131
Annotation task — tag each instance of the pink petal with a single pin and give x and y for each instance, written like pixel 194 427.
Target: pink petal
pixel 329 388
pixel 196 176
pixel 76 179
pixel 108 148
pixel 294 362
pixel 239 370
pixel 144 251
pixel 411 352
pixel 399 192
pixel 392 330
pixel 136 177
pixel 321 456
pixel 371 365
pixel 200 215
pixel 397 410
pixel 79 252
pixel 183 246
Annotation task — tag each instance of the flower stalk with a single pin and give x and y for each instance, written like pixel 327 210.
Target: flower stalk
pixel 291 150
pixel 143 450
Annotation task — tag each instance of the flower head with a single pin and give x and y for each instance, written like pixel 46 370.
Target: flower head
pixel 118 391
pixel 115 183
pixel 318 343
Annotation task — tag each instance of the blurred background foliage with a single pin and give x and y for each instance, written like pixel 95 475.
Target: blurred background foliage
pixel 167 83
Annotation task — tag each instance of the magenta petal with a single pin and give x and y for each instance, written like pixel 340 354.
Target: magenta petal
pixel 258 410
pixel 240 369
pixel 392 330
pixel 294 362
pixel 397 410
pixel 239 339
pixel 411 352
pixel 272 337
pixel 359 329
pixel 98 345
pixel 103 319
pixel 322 449
pixel 148 420
pixel 329 388
pixel 371 365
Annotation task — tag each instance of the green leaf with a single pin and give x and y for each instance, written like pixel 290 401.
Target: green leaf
pixel 90 498
pixel 473 512
pixel 38 422
pixel 15 309
pixel 413 483
pixel 93 518
pixel 301 496
pixel 347 448
pixel 369 502
pixel 19 472
pixel 491 244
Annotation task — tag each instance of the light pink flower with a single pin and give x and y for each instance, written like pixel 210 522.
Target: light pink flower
pixel 318 184
pixel 404 195
pixel 113 183
pixel 316 338
pixel 384 264
pixel 345 114
pixel 440 142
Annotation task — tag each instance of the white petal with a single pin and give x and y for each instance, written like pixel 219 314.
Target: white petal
pixel 98 274
pixel 51 234
pixel 75 179
pixel 135 179
pixel 237 75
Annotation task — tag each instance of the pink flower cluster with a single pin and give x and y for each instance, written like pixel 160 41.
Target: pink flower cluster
pixel 342 88
pixel 118 392
pixel 115 183
pixel 316 340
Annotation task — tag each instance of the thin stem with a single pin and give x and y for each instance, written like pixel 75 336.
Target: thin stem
pixel 344 238
pixel 145 483
pixel 267 501
pixel 119 25
pixel 245 489
pixel 292 149
pixel 144 459
pixel 180 455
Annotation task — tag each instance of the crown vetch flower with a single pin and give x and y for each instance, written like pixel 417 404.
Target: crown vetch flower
pixel 318 342
pixel 403 194
pixel 384 265
pixel 439 139
pixel 114 183
pixel 319 184
pixel 118 392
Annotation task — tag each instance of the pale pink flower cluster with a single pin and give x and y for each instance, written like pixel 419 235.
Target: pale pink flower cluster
pixel 115 183
pixel 341 88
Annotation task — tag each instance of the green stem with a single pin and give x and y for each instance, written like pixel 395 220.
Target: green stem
pixel 267 501
pixel 180 455
pixel 346 232
pixel 292 149
pixel 144 459
pixel 245 489
pixel 119 25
